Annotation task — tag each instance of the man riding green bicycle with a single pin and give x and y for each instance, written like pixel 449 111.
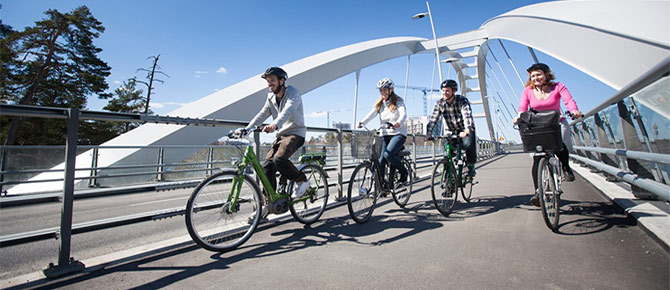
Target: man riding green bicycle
pixel 457 113
pixel 285 105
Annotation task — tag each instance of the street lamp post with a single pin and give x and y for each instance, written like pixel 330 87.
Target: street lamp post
pixel 432 26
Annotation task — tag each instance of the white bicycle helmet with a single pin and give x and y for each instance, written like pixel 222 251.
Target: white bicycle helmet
pixel 385 83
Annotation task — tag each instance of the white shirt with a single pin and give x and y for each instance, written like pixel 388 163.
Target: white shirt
pixel 385 115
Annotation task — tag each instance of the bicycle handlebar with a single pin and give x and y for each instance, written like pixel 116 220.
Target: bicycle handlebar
pixel 242 132
pixel 385 125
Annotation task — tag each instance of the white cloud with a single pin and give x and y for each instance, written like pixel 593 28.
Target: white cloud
pixel 156 105
pixel 199 73
pixel 222 70
pixel 117 82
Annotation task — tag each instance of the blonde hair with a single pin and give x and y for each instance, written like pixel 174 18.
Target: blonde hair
pixel 394 102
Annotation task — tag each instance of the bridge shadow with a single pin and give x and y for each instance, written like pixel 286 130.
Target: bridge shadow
pixel 583 217
pixel 321 233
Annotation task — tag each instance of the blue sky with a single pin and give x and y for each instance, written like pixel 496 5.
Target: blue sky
pixel 209 45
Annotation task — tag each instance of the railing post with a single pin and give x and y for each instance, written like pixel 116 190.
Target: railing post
pixel 604 142
pixel 210 159
pixel 159 168
pixel 3 166
pixel 93 182
pixel 414 154
pixel 67 264
pixel 586 136
pixel 645 136
pixel 631 142
pixel 340 150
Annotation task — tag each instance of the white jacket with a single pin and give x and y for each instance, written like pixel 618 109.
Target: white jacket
pixel 385 115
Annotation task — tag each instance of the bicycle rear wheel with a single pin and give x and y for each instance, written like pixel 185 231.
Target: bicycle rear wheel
pixel 402 192
pixel 362 193
pixel 309 207
pixel 212 220
pixel 444 187
pixel 548 194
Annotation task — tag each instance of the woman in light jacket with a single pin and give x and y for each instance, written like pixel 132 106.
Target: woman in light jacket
pixel 390 108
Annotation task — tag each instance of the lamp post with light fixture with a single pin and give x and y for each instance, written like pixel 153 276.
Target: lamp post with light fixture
pixel 432 26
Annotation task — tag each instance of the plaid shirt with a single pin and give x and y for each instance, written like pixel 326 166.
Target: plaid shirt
pixel 457 115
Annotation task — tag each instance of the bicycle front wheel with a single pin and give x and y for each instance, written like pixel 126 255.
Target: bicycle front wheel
pixel 466 189
pixel 223 211
pixel 444 187
pixel 548 194
pixel 362 193
pixel 309 207
pixel 402 192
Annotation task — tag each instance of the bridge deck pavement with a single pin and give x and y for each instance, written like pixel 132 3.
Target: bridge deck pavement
pixel 498 241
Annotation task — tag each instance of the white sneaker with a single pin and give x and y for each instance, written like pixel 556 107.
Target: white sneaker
pixel 301 189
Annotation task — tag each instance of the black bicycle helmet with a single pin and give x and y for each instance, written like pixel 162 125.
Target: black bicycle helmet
pixel 539 66
pixel 449 83
pixel 277 71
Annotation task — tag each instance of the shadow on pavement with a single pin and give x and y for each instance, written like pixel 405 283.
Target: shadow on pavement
pixel 323 232
pixel 581 218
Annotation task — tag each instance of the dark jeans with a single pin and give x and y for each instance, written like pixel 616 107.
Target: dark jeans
pixel 470 145
pixel 391 145
pixel 563 156
pixel 278 159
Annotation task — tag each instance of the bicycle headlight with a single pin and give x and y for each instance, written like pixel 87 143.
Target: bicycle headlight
pixel 539 148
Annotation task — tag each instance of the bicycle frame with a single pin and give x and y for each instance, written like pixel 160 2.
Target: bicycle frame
pixel 449 149
pixel 250 158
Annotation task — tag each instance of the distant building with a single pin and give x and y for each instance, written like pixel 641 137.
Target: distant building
pixel 343 126
pixel 418 126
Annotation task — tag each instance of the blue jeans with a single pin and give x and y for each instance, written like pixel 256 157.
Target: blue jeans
pixel 391 145
pixel 470 146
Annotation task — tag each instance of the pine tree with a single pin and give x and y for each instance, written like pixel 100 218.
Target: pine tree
pixel 53 63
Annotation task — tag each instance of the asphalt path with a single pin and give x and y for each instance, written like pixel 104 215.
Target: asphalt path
pixel 498 241
pixel 36 256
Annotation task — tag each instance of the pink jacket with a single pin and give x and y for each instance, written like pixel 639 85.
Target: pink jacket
pixel 551 103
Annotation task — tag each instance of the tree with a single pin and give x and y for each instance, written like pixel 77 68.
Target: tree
pixel 150 77
pixel 54 63
pixel 128 100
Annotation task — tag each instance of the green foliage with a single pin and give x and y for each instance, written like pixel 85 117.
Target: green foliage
pixel 53 63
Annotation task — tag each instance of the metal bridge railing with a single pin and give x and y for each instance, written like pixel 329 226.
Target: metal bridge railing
pixel 64 232
pixel 628 136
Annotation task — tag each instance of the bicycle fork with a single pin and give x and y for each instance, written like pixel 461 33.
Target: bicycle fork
pixel 556 174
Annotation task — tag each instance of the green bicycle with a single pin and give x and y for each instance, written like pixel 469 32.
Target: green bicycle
pixel 448 177
pixel 224 210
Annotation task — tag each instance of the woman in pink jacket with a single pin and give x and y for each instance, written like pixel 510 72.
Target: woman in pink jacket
pixel 543 93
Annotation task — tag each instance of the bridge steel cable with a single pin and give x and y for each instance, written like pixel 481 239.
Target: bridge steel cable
pixel 511 62
pixel 500 100
pixel 511 103
pixel 503 73
pixel 495 76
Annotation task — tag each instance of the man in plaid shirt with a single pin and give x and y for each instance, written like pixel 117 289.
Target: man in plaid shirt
pixel 457 114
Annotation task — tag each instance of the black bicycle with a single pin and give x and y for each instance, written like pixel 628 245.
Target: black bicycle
pixel 367 181
pixel 541 135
